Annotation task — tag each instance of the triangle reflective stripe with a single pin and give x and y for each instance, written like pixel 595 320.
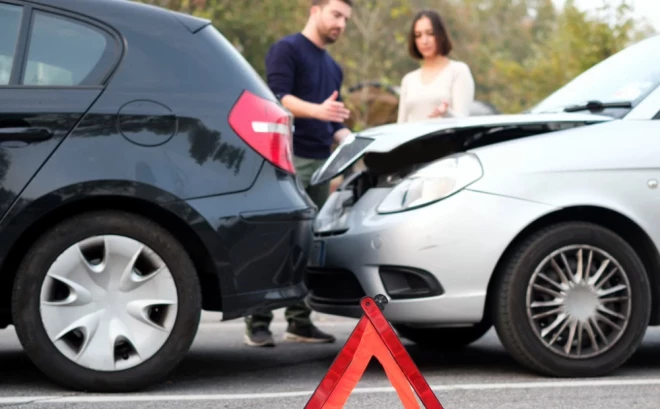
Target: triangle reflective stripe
pixel 372 337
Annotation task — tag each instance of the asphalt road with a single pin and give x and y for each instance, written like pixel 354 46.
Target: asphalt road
pixel 220 372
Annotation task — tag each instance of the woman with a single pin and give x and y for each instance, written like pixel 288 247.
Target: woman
pixel 441 87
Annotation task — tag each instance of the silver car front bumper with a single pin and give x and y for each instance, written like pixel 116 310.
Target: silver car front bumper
pixel 452 247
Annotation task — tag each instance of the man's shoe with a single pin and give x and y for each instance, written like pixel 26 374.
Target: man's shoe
pixel 307 334
pixel 259 337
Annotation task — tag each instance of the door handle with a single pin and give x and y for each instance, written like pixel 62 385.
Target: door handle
pixel 25 134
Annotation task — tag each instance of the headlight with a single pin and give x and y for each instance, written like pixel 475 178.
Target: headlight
pixel 433 183
pixel 333 215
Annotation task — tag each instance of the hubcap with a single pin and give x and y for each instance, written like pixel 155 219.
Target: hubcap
pixel 579 301
pixel 108 303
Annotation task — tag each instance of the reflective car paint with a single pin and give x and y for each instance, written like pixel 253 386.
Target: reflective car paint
pixel 154 139
pixel 601 164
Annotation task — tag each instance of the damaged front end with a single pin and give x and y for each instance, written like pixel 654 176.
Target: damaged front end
pixel 390 153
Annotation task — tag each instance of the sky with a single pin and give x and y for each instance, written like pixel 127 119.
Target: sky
pixel 650 9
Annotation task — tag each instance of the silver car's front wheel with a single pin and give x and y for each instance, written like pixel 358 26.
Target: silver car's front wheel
pixel 579 301
pixel 572 300
pixel 106 301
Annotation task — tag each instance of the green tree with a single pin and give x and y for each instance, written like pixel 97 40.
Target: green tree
pixel 519 51
pixel 576 42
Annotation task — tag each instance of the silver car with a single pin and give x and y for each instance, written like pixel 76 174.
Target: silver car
pixel 545 224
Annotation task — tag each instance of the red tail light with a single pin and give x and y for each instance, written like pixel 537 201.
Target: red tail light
pixel 266 127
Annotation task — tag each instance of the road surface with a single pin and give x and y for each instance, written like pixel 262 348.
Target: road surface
pixel 220 372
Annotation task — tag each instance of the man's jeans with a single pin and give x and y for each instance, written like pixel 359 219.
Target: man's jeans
pixel 297 314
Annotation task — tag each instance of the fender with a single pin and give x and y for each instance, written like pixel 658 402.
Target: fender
pixel 27 218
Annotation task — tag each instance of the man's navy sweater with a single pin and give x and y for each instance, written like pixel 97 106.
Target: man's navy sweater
pixel 296 66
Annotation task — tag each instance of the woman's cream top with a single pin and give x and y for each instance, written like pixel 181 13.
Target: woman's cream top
pixel 453 84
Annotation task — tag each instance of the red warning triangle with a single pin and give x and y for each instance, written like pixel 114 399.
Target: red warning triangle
pixel 372 337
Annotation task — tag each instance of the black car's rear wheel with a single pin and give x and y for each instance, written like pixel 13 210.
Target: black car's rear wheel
pixel 574 301
pixel 106 301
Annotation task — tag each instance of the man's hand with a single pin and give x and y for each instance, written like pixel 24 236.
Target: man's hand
pixel 329 110
pixel 332 110
pixel 341 134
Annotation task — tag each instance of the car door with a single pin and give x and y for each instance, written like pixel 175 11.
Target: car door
pixel 53 66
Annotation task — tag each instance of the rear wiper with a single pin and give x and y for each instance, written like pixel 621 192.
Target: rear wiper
pixel 597 106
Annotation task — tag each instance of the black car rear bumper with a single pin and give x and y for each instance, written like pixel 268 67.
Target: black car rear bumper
pixel 259 241
pixel 272 258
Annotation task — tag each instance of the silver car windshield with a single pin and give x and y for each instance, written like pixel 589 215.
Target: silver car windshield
pixel 626 77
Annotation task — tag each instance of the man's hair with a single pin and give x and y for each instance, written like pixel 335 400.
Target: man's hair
pixel 443 41
pixel 324 2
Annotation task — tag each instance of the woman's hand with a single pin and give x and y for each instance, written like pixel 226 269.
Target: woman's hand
pixel 440 111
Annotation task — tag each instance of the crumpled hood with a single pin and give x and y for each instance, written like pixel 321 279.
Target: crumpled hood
pixel 441 137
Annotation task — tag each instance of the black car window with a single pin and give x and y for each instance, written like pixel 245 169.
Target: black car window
pixel 10 21
pixel 66 52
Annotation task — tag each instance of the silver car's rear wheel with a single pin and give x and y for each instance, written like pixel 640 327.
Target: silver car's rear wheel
pixel 108 303
pixel 573 300
pixel 579 301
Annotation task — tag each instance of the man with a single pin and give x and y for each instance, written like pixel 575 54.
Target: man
pixel 307 80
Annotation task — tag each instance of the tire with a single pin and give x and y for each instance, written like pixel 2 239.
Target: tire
pixel 443 338
pixel 162 334
pixel 521 334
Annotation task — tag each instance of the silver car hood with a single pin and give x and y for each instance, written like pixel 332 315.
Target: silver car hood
pixel 386 138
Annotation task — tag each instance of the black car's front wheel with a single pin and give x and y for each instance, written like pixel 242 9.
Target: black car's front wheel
pixel 107 302
pixel 574 301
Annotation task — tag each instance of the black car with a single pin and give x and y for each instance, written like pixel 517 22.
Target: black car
pixel 145 174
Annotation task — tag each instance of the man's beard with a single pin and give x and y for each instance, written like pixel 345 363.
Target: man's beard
pixel 326 37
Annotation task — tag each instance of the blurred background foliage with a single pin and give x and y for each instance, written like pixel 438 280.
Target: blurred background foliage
pixel 519 50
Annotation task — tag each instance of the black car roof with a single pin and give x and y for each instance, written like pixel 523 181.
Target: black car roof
pixel 192 23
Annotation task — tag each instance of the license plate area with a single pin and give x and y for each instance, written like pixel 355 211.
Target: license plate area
pixel 317 256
